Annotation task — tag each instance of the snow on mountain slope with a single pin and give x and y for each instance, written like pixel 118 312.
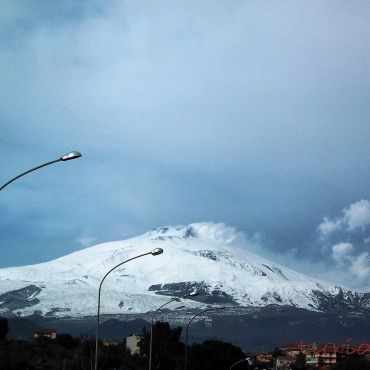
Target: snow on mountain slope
pixel 204 256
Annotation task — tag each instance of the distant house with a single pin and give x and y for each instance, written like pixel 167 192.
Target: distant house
pixel 265 358
pixel 45 333
pixel 132 343
pixel 315 355
pixel 291 349
pixel 284 362
pixel 110 343
pixel 320 355
pixel 324 359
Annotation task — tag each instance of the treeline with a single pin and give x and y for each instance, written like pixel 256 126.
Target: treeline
pixel 70 353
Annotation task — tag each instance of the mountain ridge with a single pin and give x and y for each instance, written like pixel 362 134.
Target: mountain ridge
pixel 204 256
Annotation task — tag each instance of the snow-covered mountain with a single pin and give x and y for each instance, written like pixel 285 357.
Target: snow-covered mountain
pixel 205 256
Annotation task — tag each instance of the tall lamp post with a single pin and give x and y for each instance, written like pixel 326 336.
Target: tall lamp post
pixel 187 329
pixel 66 157
pixel 192 294
pixel 154 252
pixel 238 362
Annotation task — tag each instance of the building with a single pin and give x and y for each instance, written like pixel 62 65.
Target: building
pixel 265 359
pixel 320 356
pixel 316 354
pixel 45 333
pixel 291 350
pixel 284 362
pixel 132 344
pixel 321 359
pixel 110 343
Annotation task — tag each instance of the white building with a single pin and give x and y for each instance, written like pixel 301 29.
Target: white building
pixel 132 343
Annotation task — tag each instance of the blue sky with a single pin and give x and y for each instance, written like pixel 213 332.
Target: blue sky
pixel 252 113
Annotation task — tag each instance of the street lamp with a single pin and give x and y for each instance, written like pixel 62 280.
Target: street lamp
pixel 190 295
pixel 154 252
pixel 187 329
pixel 66 157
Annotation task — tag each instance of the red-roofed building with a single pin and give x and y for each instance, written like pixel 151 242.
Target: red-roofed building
pixel 45 333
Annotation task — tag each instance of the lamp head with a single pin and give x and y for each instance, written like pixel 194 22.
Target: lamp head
pixel 70 155
pixel 156 251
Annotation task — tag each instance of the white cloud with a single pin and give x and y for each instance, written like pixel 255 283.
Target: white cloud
pixel 351 255
pixel 360 266
pixel 328 226
pixel 219 232
pixel 341 251
pixel 357 214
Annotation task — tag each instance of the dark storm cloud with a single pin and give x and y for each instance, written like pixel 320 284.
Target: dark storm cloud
pixel 250 113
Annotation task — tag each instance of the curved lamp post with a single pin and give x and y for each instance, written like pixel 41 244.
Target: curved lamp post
pixel 154 252
pixel 192 294
pixel 66 157
pixel 187 329
pixel 238 362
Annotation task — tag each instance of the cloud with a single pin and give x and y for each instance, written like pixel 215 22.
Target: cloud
pixel 351 263
pixel 341 251
pixel 347 237
pixel 219 232
pixel 329 226
pixel 357 215
pixel 360 266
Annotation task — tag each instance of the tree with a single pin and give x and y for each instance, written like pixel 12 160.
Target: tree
pixel 353 362
pixel 67 341
pixel 4 351
pixel 214 355
pixel 276 352
pixel 321 361
pixel 300 362
pixel 167 349
pixel 4 328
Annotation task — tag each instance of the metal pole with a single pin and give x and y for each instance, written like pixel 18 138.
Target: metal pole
pixel 189 295
pixel 187 329
pixel 25 173
pixel 67 157
pixel 154 253
pixel 238 362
